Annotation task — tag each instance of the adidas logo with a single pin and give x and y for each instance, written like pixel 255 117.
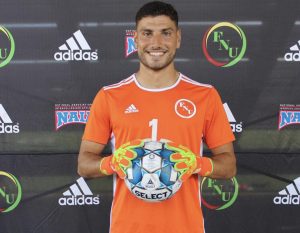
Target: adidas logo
pixel 76 48
pixel 294 55
pixel 131 109
pixel 290 195
pixel 236 127
pixel 6 124
pixel 79 194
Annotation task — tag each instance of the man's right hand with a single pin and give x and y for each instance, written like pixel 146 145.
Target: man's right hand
pixel 120 161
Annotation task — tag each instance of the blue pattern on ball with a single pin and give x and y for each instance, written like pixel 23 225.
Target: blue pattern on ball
pixel 166 174
pixel 140 152
pixel 165 154
pixel 137 172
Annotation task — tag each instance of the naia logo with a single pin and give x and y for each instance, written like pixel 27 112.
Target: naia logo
pixel 129 43
pixel 289 114
pixel 66 114
pixel 224 44
pixel 79 194
pixel 76 48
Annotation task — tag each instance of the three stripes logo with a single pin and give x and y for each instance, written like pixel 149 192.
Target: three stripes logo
pixel 294 54
pixel 76 48
pixel 79 194
pixel 131 109
pixel 290 195
pixel 6 124
pixel 236 127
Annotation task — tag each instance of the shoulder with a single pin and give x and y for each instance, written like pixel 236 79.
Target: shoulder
pixel 123 83
pixel 191 82
pixel 114 90
pixel 206 91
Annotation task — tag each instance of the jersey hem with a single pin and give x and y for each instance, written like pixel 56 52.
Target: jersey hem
pixel 220 143
pixel 93 140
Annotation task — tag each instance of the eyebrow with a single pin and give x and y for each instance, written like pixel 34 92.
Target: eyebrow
pixel 163 30
pixel 167 29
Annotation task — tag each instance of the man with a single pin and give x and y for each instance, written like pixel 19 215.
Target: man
pixel 165 104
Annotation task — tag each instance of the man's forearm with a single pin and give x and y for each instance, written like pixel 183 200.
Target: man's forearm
pixel 89 159
pixel 89 165
pixel 224 166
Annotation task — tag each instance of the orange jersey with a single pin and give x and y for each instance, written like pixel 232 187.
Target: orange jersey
pixel 188 113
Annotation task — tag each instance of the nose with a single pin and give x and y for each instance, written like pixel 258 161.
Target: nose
pixel 156 40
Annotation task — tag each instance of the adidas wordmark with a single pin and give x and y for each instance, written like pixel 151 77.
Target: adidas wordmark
pixel 79 194
pixel 236 127
pixel 294 54
pixel 290 195
pixel 6 124
pixel 76 48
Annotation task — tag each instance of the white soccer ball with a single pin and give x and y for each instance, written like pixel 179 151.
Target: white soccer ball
pixel 152 176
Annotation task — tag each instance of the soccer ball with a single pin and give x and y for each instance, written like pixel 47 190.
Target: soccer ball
pixel 152 176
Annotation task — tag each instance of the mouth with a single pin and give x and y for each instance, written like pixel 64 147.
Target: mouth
pixel 156 53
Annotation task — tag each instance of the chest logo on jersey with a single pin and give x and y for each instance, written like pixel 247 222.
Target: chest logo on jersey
pixel 131 109
pixel 185 108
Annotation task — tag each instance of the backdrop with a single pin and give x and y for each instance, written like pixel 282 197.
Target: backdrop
pixel 56 55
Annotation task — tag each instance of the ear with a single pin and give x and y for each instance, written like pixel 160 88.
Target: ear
pixel 178 38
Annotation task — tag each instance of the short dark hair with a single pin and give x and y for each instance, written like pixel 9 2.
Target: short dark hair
pixel 157 8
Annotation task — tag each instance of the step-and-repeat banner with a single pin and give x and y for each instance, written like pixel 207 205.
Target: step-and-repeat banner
pixel 56 55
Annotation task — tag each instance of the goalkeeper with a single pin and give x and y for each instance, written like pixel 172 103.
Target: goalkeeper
pixel 158 102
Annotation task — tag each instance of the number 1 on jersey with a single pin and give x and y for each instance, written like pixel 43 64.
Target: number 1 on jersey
pixel 153 124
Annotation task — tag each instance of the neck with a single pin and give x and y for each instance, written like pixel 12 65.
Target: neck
pixel 156 79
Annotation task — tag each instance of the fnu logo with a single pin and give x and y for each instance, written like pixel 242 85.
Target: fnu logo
pixel 7 46
pixel 224 44
pixel 219 194
pixel 10 192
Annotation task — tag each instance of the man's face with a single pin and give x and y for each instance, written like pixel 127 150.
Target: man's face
pixel 157 39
